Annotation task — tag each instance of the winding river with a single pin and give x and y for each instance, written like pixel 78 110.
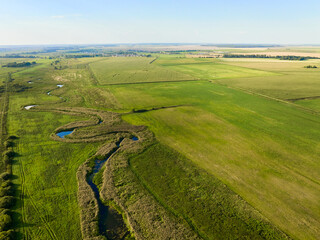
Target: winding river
pixel 109 219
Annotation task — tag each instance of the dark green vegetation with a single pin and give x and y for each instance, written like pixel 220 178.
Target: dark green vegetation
pixel 7 199
pixel 231 150
pixel 298 58
pixel 17 65
pixel 310 66
pixel 17 56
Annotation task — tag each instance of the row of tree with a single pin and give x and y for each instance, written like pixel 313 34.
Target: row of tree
pixel 7 199
pixel 297 58
pixel 22 64
pixel 17 56
pixel 83 55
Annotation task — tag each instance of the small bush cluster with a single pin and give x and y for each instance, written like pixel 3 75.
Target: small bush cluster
pixel 310 66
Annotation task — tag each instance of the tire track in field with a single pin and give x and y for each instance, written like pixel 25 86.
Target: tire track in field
pixel 21 197
pixel 46 224
pixel 25 191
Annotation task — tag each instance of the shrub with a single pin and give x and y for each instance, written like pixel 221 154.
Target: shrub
pixel 310 66
pixel 8 144
pixel 7 235
pixel 6 160
pixel 6 202
pixel 5 222
pixel 6 191
pixel 6 184
pixel 12 137
pixel 5 176
pixel 4 211
pixel 9 153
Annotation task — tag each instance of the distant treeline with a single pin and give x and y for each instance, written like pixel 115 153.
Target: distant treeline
pixel 181 51
pixel 83 51
pixel 17 56
pixel 241 45
pixel 23 64
pixel 298 58
pixel 83 55
pixel 310 66
pixel 51 50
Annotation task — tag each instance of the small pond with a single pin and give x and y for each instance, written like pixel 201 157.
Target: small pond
pixel 29 107
pixel 64 133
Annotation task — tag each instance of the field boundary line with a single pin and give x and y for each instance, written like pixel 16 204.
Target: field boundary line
pixel 185 80
pixel 93 77
pixel 312 111
pixel 303 98
pixel 153 60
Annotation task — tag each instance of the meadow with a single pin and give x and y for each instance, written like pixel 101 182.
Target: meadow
pixel 133 70
pixel 251 147
pixel 235 152
pixel 44 169
pixel 292 79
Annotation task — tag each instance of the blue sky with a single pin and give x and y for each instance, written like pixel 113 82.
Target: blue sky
pixel 124 21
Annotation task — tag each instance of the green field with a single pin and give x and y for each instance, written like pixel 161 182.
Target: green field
pixel 44 169
pixel 235 153
pixel 292 79
pixel 215 70
pixel 253 150
pixel 133 70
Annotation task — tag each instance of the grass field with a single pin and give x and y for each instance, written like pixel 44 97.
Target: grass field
pixel 292 81
pixel 133 70
pixel 229 162
pixel 254 145
pixel 44 170
pixel 203 201
pixel 215 70
pixel 46 178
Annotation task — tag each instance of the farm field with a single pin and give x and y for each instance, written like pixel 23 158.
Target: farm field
pixel 133 70
pixel 231 147
pixel 214 70
pixel 245 148
pixel 293 80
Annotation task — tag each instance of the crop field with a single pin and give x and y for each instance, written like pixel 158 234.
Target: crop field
pixel 215 70
pixel 195 148
pixel 133 70
pixel 293 80
pixel 245 148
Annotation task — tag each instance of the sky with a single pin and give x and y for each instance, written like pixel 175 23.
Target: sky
pixel 27 22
